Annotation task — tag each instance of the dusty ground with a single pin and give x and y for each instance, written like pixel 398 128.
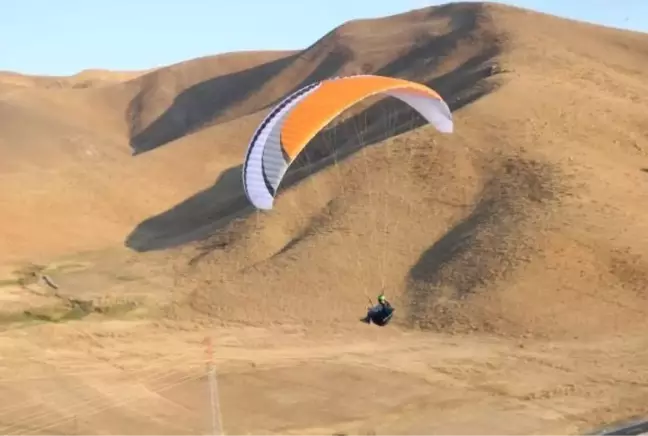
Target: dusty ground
pixel 515 249
pixel 142 378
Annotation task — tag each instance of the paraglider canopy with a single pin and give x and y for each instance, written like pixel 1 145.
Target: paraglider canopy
pixel 289 127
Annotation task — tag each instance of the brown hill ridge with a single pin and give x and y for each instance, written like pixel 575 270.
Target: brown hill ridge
pixel 528 219
pixel 83 79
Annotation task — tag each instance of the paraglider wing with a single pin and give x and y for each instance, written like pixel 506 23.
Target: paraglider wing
pixel 284 133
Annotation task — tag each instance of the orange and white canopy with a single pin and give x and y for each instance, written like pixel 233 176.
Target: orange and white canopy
pixel 284 133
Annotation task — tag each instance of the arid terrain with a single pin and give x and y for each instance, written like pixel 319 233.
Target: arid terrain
pixel 514 249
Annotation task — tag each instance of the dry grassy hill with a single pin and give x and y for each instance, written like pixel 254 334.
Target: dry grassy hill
pixel 529 217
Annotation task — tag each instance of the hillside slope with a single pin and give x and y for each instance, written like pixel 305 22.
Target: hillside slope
pixel 66 160
pixel 528 219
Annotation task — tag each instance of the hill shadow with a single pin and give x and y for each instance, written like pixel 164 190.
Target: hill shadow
pixel 645 170
pixel 195 218
pixel 199 105
pixel 430 50
pixel 486 245
pixel 427 275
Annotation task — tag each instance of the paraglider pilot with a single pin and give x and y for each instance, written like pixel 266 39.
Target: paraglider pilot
pixel 381 313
